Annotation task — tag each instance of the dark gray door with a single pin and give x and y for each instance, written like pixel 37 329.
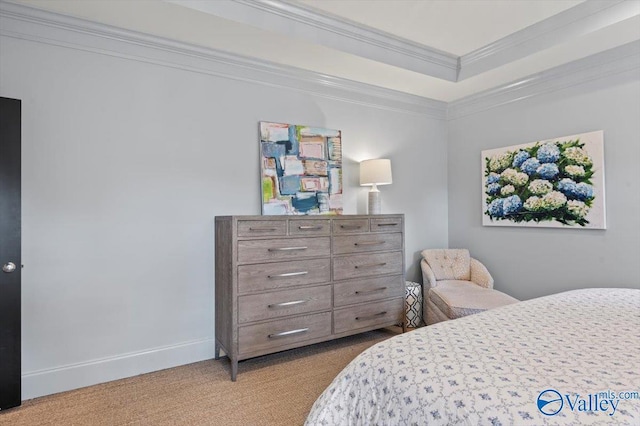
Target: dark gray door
pixel 10 369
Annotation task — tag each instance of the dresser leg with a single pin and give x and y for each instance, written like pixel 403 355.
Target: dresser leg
pixel 216 351
pixel 234 369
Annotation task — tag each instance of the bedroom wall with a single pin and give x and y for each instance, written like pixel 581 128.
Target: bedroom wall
pixel 126 162
pixel 531 262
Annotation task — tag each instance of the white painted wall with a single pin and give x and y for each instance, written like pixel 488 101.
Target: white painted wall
pixel 126 164
pixel 530 262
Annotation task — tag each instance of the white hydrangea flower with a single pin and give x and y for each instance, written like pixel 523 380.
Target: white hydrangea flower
pixel 514 177
pixel 553 200
pixel 508 174
pixel 540 186
pixel 578 155
pixel 507 190
pixel 520 179
pixel 573 170
pixel 577 208
pixel 498 163
pixel 533 203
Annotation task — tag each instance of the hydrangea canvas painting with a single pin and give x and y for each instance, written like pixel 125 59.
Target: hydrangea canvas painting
pixel 555 183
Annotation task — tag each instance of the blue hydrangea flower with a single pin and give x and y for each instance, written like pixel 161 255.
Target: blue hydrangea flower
pixel 567 187
pixel 548 153
pixel 493 178
pixel 577 191
pixel 520 158
pixel 511 205
pixel 530 166
pixel 584 191
pixel 548 170
pixel 495 208
pixel 493 188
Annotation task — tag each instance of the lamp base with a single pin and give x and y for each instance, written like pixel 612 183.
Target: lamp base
pixel 374 202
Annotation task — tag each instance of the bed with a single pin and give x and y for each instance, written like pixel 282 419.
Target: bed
pixel 548 360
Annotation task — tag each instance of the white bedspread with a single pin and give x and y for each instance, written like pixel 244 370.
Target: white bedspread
pixel 491 368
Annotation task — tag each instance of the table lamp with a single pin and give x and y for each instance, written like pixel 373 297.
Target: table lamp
pixel 373 173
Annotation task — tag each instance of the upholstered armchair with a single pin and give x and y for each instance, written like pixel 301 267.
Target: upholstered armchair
pixel 456 285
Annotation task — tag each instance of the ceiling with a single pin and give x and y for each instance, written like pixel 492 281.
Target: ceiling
pixel 457 27
pixel 439 49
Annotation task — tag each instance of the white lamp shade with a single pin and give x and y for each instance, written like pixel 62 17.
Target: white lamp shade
pixel 375 172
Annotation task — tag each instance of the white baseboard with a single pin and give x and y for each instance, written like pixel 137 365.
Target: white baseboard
pixel 73 376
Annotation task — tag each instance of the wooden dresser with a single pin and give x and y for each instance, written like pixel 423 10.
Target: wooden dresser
pixel 289 281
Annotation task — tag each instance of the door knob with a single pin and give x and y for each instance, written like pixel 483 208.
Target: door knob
pixel 9 267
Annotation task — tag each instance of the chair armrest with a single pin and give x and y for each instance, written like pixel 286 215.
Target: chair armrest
pixel 428 278
pixel 480 274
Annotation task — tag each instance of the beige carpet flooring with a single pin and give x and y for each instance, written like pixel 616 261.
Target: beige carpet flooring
pixel 277 389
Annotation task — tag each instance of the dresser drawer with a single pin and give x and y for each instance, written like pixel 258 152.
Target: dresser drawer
pixel 367 289
pixel 309 227
pixel 262 228
pixel 276 304
pixel 345 244
pixel 280 249
pixel 387 224
pixel 283 332
pixel 268 276
pixel 366 265
pixel 350 226
pixel 383 313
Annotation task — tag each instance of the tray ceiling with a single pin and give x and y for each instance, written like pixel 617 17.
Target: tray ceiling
pixel 443 50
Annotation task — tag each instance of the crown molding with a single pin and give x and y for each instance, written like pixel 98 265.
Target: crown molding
pixel 613 62
pixel 36 25
pixel 587 17
pixel 294 19
pixel 317 26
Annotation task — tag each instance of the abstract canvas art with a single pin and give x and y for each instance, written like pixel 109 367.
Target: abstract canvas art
pixel 301 169
pixel 556 183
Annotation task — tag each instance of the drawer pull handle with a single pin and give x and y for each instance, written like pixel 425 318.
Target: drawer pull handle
pixel 288 274
pixel 375 290
pixel 370 265
pixel 388 224
pixel 263 229
pixel 287 248
pixel 284 304
pixel 369 243
pixel 315 228
pixel 288 333
pixel 379 314
pixel 350 226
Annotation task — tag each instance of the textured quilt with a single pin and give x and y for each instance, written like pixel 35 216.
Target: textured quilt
pixel 570 358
